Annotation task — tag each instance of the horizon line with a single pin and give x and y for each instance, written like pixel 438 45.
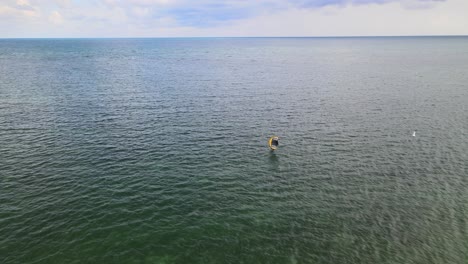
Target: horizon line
pixel 193 37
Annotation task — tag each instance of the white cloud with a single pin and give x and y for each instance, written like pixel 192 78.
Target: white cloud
pixel 364 20
pixel 18 9
pixel 56 18
pixel 159 18
pixel 64 3
pixel 151 2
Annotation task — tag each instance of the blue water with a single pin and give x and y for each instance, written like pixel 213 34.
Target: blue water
pixel 155 150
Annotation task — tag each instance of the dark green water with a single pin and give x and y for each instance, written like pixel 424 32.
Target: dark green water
pixel 155 150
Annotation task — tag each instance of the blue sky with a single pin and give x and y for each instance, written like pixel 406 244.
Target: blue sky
pixel 179 18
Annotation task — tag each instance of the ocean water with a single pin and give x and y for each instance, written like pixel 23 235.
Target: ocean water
pixel 155 150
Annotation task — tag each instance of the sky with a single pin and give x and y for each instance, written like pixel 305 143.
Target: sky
pixel 231 18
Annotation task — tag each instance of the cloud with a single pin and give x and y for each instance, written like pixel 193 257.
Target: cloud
pixel 18 9
pixel 64 3
pixel 24 5
pixel 322 3
pixel 148 18
pixel 56 18
pixel 183 13
pixel 208 13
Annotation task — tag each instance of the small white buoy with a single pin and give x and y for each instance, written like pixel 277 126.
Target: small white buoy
pixel 414 133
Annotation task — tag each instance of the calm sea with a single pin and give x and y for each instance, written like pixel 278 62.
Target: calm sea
pixel 155 150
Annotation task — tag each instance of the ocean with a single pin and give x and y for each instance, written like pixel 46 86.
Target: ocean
pixel 155 150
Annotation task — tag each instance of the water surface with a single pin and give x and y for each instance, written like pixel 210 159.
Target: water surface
pixel 155 150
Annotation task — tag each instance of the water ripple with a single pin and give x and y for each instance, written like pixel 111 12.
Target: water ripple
pixel 154 151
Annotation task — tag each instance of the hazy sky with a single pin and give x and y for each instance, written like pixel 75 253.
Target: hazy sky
pixel 169 18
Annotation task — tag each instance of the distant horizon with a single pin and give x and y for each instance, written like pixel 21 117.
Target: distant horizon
pixel 208 37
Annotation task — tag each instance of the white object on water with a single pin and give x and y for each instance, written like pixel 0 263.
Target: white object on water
pixel 414 133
